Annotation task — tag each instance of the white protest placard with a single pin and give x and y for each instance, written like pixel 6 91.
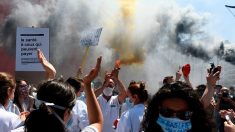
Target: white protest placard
pixel 28 40
pixel 91 37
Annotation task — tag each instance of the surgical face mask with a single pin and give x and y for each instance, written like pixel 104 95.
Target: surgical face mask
pixel 129 102
pixel 9 105
pixel 82 96
pixel 108 91
pixel 70 122
pixel 173 124
pixel 24 90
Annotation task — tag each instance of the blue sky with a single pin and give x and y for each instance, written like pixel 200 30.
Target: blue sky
pixel 221 22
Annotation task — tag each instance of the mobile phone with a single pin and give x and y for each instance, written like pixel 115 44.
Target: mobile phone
pixel 215 69
pixel 212 67
pixel 227 118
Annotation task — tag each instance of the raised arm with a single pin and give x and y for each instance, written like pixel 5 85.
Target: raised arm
pixel 94 112
pixel 211 78
pixel 121 88
pixel 177 76
pixel 99 90
pixel 187 80
pixel 49 68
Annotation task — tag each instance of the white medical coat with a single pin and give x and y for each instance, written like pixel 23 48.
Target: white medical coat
pixel 131 119
pixel 110 112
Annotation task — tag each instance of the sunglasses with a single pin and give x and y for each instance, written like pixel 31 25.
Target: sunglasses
pixel 183 115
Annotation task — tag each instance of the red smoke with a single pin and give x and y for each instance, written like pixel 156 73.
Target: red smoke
pixel 7 62
pixel 5 9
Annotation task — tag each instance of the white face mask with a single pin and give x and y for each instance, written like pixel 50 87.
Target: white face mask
pixel 108 91
pixel 173 124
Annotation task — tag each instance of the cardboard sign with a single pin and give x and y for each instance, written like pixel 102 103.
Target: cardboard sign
pixel 27 42
pixel 90 38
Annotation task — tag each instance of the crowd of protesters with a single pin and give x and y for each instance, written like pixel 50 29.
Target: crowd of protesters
pixel 55 105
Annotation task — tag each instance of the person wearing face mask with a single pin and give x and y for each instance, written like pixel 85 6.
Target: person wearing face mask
pixel 128 104
pixel 57 100
pixel 8 120
pixel 176 107
pixel 110 105
pixel 79 111
pixel 130 120
pixel 22 99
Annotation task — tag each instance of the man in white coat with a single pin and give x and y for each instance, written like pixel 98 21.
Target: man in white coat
pixel 110 105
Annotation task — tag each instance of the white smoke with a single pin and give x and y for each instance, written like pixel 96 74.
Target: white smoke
pixel 154 37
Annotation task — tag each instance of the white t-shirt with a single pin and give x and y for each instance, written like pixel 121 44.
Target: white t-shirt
pixel 80 117
pixel 110 112
pixel 130 120
pixel 8 120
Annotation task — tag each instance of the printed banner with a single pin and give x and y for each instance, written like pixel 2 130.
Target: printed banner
pixel 27 42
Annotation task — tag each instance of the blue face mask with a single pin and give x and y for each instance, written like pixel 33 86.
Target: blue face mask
pixel 173 124
pixel 9 105
pixel 128 102
pixel 70 122
pixel 82 96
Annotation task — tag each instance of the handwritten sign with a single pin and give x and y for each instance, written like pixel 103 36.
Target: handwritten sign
pixel 27 42
pixel 90 38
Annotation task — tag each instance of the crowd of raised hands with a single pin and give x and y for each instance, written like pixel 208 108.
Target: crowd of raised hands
pixel 112 106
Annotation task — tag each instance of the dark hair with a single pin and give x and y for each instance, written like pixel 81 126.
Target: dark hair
pixel 166 79
pixel 42 119
pixel 181 90
pixel 200 89
pixel 6 82
pixel 16 97
pixel 75 83
pixel 218 87
pixel 138 88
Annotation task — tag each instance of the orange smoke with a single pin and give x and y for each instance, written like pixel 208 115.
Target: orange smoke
pixel 128 9
pixel 123 41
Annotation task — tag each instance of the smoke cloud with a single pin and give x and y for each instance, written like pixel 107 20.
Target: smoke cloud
pixel 152 38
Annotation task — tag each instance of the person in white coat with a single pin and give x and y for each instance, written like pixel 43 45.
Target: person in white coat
pixel 79 111
pixel 110 104
pixel 8 120
pixel 58 100
pixel 130 120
